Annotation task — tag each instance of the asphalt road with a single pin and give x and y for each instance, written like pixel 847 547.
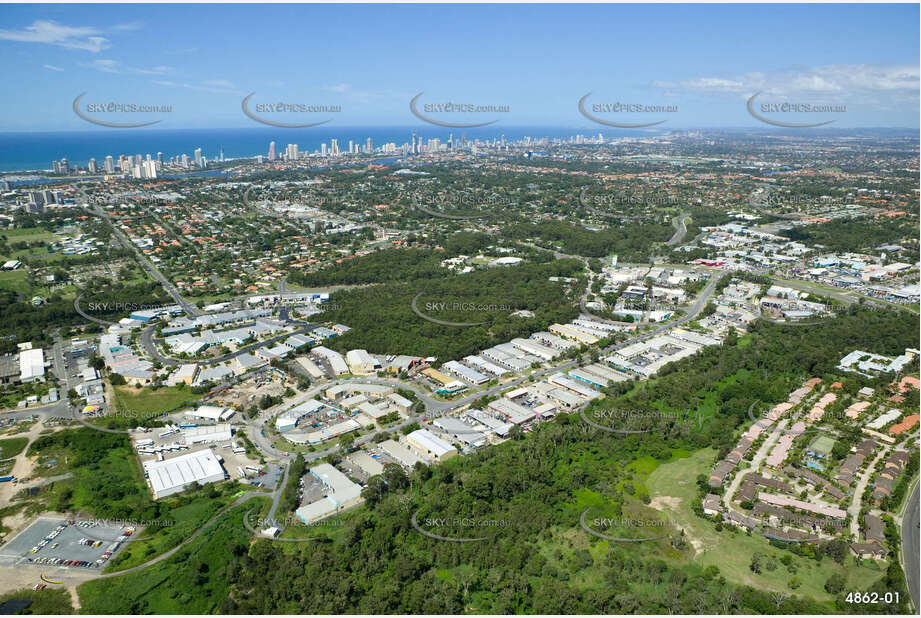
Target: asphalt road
pixel 680 230
pixel 910 545
pixel 188 307
pixel 150 346
pixel 194 536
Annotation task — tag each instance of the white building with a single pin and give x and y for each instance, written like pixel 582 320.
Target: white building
pixel 336 361
pixel 511 411
pixel 399 452
pixel 287 420
pixel 460 431
pixel 343 493
pixel 311 368
pixel 206 434
pixel 400 402
pixel 362 363
pixel 31 365
pixel 430 445
pixel 212 413
pixel 173 475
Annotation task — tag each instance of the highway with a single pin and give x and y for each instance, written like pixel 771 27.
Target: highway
pixel 910 545
pixel 680 230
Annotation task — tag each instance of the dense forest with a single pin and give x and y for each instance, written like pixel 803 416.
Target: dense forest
pixel 630 241
pixel 20 320
pixel 377 267
pixel 861 234
pixel 383 322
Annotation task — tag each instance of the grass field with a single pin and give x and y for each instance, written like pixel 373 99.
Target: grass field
pixel 27 234
pixel 14 280
pixel 11 447
pixel 146 401
pixel 50 601
pixel 673 488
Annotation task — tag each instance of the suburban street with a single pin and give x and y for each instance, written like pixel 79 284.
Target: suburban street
pixel 188 307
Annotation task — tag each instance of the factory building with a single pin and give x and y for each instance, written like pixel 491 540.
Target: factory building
pixel 287 420
pixel 362 363
pixel 400 453
pixel 484 365
pixel 343 494
pixel 430 445
pixel 310 367
pixel 535 349
pixel 462 371
pixel 206 434
pixel 460 431
pixel 173 475
pixel 511 411
pixel 580 388
pixel 212 413
pixel 336 361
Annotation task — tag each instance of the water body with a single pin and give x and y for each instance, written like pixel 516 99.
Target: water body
pixel 20 151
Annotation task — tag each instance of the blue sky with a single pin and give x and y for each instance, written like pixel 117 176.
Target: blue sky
pixel 538 60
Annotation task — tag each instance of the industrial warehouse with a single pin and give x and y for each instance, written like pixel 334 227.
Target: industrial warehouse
pixel 173 475
pixel 342 494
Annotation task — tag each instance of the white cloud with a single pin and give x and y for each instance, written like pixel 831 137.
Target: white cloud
pixel 217 86
pixel 337 88
pixel 863 82
pixel 113 66
pixel 53 33
pixel 157 70
pixel 128 27
pixel 218 83
pixel 106 66
pixel 51 67
pixel 361 96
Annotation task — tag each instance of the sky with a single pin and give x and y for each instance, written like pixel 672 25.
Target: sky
pixel 534 61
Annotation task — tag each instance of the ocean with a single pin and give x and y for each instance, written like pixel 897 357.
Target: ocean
pixel 21 151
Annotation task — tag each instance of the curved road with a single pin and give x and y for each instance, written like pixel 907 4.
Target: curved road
pixel 194 536
pixel 147 340
pixel 432 408
pixel 680 230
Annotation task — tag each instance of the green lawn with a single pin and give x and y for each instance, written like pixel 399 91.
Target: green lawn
pixel 27 234
pixel 14 280
pixel 11 447
pixel 673 488
pixel 50 601
pixel 146 401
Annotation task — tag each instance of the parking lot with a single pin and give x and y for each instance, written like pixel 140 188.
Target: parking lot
pixel 54 542
pixel 268 477
pixel 310 489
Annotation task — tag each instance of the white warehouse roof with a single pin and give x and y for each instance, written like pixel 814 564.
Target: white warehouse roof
pixel 172 475
pixel 207 433
pixel 430 442
pixel 215 413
